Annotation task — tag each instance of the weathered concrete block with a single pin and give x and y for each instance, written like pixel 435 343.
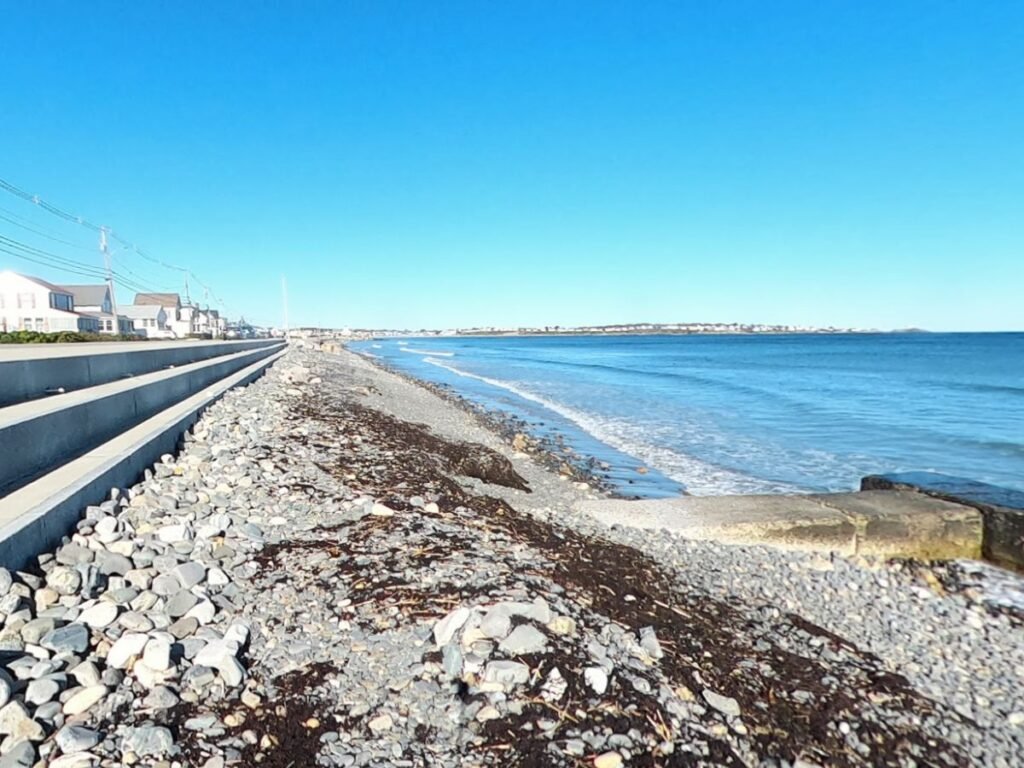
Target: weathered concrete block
pixel 1002 509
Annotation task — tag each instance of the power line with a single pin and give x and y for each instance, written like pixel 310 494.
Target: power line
pixel 31 226
pixel 41 233
pixel 135 275
pixel 81 221
pixel 61 267
pixel 47 258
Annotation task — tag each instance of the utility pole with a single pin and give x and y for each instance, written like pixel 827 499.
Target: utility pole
pixel 284 296
pixel 110 278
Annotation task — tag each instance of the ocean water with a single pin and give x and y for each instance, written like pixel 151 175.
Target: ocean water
pixel 750 414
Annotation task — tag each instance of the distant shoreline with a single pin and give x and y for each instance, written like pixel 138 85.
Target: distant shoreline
pixel 671 332
pixel 630 332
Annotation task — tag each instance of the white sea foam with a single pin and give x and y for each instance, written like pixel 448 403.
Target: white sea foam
pixel 699 477
pixel 429 352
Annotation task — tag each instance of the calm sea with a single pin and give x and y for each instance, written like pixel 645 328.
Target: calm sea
pixel 750 414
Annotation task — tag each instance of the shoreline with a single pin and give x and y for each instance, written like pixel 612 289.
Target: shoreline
pixel 516 432
pixel 553 451
pixel 341 567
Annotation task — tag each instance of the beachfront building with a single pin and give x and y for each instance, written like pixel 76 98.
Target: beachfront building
pixel 208 322
pixel 149 320
pixel 185 319
pixel 177 324
pixel 96 300
pixel 30 304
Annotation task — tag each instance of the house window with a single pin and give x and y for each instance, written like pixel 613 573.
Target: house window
pixel 60 301
pixel 40 324
pixel 26 301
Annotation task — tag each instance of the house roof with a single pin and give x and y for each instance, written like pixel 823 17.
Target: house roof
pixel 162 299
pixel 141 310
pixel 43 283
pixel 88 295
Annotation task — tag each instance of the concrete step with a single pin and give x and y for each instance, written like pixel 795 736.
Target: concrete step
pixel 39 435
pixel 35 517
pixel 883 523
pixel 1002 509
pixel 34 371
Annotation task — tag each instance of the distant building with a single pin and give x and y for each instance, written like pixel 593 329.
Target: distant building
pixel 95 300
pixel 186 319
pixel 165 300
pixel 149 320
pixel 30 304
pixel 171 304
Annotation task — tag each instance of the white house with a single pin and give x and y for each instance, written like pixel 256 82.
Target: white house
pixel 149 320
pixel 96 300
pixel 30 304
pixel 177 321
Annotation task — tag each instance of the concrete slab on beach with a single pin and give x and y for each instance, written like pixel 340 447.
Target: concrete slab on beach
pixel 883 523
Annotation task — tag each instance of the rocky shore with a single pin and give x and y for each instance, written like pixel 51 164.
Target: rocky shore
pixel 342 569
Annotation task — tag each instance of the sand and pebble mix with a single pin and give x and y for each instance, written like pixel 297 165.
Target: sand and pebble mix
pixel 340 568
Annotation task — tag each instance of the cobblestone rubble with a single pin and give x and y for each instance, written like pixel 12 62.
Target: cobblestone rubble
pixel 341 569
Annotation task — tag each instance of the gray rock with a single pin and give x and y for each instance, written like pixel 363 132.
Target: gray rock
pixel 64 580
pixel 649 642
pixel 106 528
pixel 21 755
pixel 16 723
pixel 180 604
pixel 74 554
pixel 37 629
pixel 161 697
pixel 84 698
pixel 41 691
pixel 252 533
pixel 184 627
pixel 165 585
pixel 451 661
pixel 148 741
pixel 157 654
pixel 6 687
pixel 506 673
pixel 112 564
pixel 86 673
pixel 496 623
pixel 220 655
pixel 101 614
pixel 74 738
pixel 50 713
pixel 723 704
pixel 133 621
pixel 446 628
pixel 523 639
pixel 190 574
pixel 73 638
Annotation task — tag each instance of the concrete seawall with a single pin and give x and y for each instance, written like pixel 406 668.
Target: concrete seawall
pixel 38 435
pixel 61 454
pixel 32 371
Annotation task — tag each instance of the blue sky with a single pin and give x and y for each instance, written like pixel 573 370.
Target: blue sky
pixel 472 163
